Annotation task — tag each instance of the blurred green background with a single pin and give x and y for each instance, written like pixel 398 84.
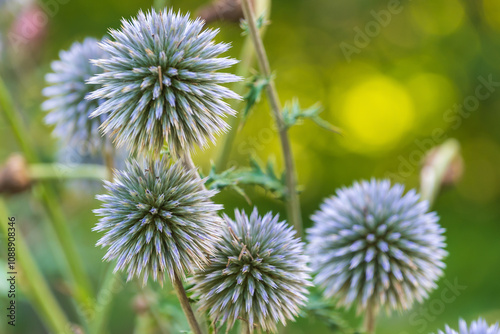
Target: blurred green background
pixel 398 87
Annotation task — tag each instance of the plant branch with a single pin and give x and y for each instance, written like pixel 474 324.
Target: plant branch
pixel 186 307
pixel 293 203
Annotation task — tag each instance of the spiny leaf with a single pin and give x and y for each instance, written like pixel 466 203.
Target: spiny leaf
pixel 226 179
pixel 264 177
pixel 260 22
pixel 256 86
pixel 293 114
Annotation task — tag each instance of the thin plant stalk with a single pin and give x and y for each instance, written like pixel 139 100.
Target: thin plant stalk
pixel 37 288
pixel 292 203
pixel 54 171
pixel 109 161
pixel 105 296
pixel 247 56
pixel 74 267
pixel 186 307
pixel 370 319
pixel 112 279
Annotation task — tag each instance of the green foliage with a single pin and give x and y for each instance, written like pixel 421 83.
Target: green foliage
pixel 324 311
pixel 255 175
pixel 256 86
pixel 293 114
pixel 260 22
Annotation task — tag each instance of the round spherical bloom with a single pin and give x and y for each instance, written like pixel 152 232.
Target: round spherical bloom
pixel 158 220
pixel 161 83
pixel 374 247
pixel 477 327
pixel 258 273
pixel 68 109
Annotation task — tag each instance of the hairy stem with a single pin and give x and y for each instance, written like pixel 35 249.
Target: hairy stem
pixel 37 290
pixel 293 203
pixel 186 307
pixel 74 267
pixel 109 161
pixel 246 57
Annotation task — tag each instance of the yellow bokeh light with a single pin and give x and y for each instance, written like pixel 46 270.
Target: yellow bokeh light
pixel 492 13
pixel 432 93
pixel 438 17
pixel 376 114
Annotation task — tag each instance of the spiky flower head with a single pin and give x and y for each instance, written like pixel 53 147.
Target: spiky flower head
pixel 68 109
pixel 374 247
pixel 477 327
pixel 162 85
pixel 158 220
pixel 258 273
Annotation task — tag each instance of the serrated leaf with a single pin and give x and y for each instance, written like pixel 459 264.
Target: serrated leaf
pixel 255 175
pixel 293 114
pixel 256 86
pixel 260 22
pixel 226 179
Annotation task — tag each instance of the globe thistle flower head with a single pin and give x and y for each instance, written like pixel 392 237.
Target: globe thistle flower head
pixel 69 111
pixel 161 83
pixel 372 246
pixel 258 273
pixel 479 326
pixel 158 220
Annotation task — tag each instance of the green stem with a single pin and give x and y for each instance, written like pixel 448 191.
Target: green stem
pixel 247 56
pixel 370 320
pixel 186 307
pixel 102 307
pixel 48 171
pixel 38 290
pixel 76 273
pixel 293 203
pixel 112 280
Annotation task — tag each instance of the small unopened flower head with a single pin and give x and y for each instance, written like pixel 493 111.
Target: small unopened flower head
pixel 476 327
pixel 69 111
pixel 372 246
pixel 161 83
pixel 158 220
pixel 258 273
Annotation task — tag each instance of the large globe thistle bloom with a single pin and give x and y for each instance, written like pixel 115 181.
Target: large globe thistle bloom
pixel 158 220
pixel 258 273
pixel 162 85
pixel 372 246
pixel 477 327
pixel 69 110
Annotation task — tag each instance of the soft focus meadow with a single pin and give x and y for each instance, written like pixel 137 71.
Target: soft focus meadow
pixel 397 77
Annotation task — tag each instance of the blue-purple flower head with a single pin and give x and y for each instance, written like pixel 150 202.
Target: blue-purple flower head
pixel 258 273
pixel 479 326
pixel 372 246
pixel 158 219
pixel 69 111
pixel 161 83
